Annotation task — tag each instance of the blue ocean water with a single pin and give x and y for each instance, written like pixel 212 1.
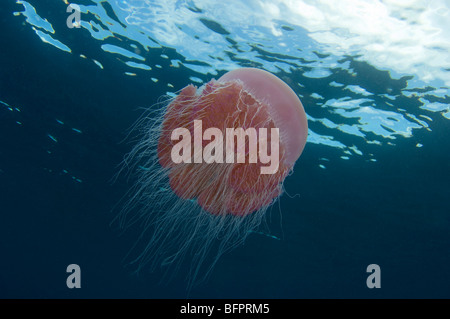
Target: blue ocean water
pixel 370 188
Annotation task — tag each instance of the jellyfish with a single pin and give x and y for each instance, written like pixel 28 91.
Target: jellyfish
pixel 208 165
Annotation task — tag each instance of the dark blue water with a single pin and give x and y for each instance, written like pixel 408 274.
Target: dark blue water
pixel 62 124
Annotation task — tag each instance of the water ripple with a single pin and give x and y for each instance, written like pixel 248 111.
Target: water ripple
pixel 367 72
